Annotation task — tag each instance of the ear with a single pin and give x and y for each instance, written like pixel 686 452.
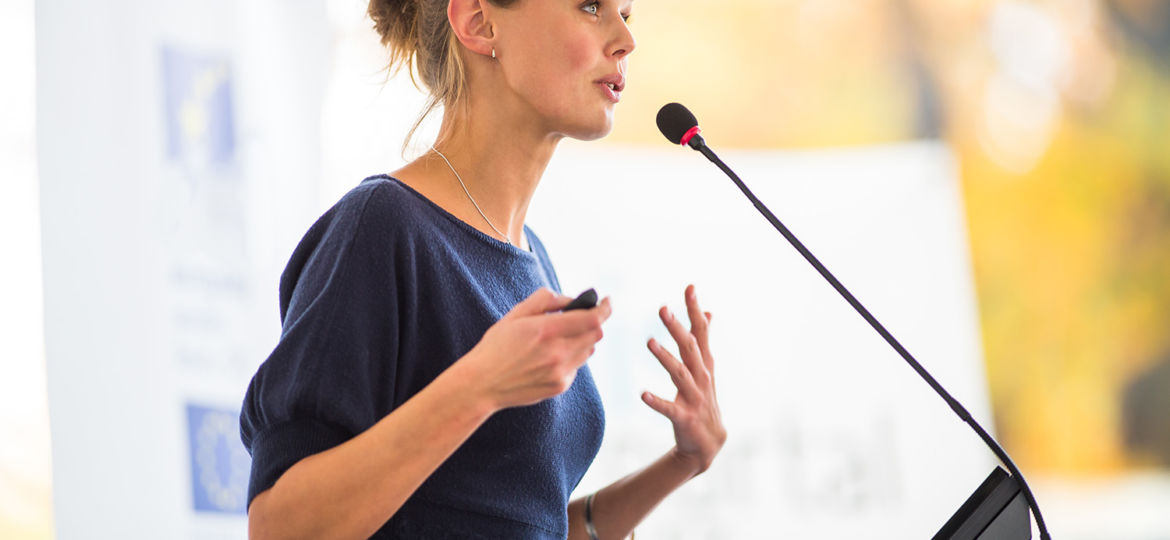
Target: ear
pixel 471 24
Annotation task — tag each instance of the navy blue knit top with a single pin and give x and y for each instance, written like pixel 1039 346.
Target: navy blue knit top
pixel 384 292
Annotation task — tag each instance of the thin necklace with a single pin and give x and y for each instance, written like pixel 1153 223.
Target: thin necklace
pixel 485 218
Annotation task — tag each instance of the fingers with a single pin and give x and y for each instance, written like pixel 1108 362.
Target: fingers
pixel 578 330
pixel 679 374
pixel 579 349
pixel 688 346
pixel 542 300
pixel 581 321
pixel 699 323
pixel 665 408
pixel 697 316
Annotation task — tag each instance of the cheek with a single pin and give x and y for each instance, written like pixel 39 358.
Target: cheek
pixel 579 55
pixel 564 61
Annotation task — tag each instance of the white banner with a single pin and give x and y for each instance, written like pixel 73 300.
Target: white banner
pixel 179 154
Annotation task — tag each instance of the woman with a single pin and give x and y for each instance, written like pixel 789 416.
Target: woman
pixel 426 383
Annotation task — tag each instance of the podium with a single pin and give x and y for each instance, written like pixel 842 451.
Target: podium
pixel 997 510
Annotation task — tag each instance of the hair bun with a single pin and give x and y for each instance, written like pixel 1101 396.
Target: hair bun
pixel 395 21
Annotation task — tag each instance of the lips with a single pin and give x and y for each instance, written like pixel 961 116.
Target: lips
pixel 616 82
pixel 612 86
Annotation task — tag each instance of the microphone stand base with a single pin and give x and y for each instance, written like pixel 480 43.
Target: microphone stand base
pixel 996 510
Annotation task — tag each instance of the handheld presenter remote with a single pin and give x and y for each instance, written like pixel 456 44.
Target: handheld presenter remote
pixel 585 300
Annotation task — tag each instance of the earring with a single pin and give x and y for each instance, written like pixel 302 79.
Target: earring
pixel 493 52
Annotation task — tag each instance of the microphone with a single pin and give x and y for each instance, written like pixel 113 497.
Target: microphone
pixel 681 127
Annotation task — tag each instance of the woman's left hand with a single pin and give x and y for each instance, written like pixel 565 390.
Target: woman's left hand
pixel 698 427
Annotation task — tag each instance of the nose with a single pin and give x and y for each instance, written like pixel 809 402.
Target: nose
pixel 623 43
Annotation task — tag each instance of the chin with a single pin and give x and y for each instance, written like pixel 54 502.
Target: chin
pixel 592 132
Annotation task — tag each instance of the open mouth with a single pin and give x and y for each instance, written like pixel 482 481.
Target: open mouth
pixel 610 90
pixel 612 85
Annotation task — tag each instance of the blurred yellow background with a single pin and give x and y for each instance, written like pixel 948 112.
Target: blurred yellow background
pixel 1058 113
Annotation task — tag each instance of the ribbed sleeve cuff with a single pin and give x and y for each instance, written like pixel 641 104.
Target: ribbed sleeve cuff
pixel 279 447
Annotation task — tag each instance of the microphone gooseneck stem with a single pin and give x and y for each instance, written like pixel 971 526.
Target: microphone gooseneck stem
pixel 699 144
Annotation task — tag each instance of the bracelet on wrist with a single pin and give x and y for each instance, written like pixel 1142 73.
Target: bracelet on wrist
pixel 589 528
pixel 589 517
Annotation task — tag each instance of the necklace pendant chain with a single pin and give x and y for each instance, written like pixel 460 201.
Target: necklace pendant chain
pixel 460 178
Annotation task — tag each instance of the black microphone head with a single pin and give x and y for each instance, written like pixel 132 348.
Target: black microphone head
pixel 675 121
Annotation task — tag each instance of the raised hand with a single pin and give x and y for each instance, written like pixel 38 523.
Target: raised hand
pixel 698 427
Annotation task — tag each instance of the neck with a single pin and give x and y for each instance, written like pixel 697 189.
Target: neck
pixel 500 161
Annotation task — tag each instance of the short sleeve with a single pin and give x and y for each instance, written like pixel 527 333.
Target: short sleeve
pixel 332 373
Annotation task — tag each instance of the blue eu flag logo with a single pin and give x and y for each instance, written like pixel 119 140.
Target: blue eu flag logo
pixel 219 463
pixel 199 117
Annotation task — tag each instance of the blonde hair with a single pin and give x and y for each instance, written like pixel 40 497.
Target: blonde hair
pixel 418 36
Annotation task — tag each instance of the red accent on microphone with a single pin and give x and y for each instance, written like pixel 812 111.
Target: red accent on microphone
pixel 686 138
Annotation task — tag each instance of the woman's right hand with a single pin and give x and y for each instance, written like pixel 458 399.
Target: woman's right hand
pixel 534 351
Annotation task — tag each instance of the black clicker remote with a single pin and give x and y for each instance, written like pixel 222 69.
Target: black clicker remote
pixel 585 300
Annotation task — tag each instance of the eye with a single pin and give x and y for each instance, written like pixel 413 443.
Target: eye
pixel 591 7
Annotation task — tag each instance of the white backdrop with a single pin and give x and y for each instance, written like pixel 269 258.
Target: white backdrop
pixel 181 157
pixel 832 435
